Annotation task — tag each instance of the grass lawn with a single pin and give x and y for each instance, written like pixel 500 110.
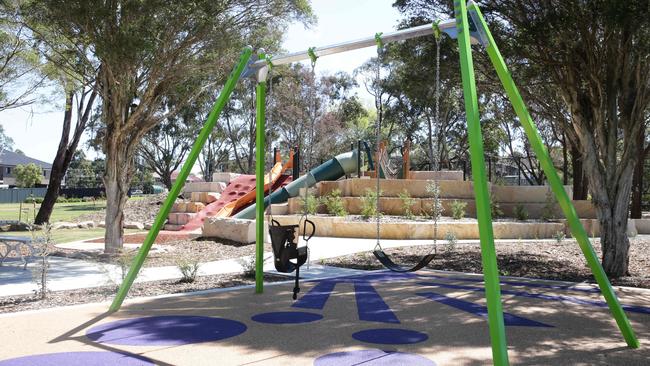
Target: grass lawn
pixel 69 235
pixel 62 211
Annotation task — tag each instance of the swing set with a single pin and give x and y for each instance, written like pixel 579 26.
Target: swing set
pixel 468 27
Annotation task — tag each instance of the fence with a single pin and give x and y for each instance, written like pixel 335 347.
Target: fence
pixel 15 195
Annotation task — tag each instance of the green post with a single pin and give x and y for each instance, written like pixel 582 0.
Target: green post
pixel 483 210
pixel 182 176
pixel 259 177
pixel 536 143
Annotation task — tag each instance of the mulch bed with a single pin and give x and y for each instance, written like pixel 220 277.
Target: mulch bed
pixel 544 260
pixel 97 294
pixel 187 250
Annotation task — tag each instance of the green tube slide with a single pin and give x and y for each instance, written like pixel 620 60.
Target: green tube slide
pixel 330 170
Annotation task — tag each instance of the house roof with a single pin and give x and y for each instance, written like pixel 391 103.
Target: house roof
pixel 10 158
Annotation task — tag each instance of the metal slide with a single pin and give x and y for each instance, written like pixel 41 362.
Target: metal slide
pixel 330 170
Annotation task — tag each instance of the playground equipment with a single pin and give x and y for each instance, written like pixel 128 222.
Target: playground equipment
pixel 468 27
pixel 238 195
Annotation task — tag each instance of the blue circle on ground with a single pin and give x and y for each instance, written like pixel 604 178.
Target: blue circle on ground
pixel 390 336
pixel 79 359
pixel 372 357
pixel 170 330
pixel 286 317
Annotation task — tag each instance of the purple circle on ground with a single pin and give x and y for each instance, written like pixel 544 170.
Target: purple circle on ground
pixel 372 357
pixel 79 359
pixel 390 336
pixel 287 317
pixel 166 330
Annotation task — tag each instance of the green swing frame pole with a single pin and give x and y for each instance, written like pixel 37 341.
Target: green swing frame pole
pixel 260 117
pixel 577 230
pixel 483 210
pixel 219 105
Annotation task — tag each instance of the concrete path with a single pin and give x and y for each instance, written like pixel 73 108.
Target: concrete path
pixel 68 274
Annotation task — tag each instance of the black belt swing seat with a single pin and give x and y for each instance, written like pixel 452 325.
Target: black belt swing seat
pixel 388 263
pixel 285 249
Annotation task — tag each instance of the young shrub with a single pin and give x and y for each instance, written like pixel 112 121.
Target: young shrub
pixel 520 213
pixel 309 204
pixel 407 203
pixel 559 236
pixel 248 266
pixel 452 240
pixel 188 268
pixel 42 265
pixel 495 207
pixel 458 209
pixel 334 203
pixel 369 204
pixel 436 209
pixel 548 211
pixel 124 261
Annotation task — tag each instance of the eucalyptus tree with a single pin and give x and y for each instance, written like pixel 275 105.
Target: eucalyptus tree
pixel 596 54
pixel 143 51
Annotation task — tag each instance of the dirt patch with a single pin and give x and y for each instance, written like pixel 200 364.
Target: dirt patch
pixel 142 209
pixel 544 260
pixel 96 294
pixel 196 250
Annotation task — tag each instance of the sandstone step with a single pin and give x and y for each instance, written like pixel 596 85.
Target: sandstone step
pixel 204 187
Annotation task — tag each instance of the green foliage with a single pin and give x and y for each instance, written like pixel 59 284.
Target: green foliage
pixel 559 236
pixel 188 268
pixel 32 199
pixel 334 203
pixel 436 209
pixel 6 142
pixel 458 209
pixel 452 240
pixel 495 207
pixel 407 204
pixel 28 176
pixel 548 211
pixel 369 204
pixel 81 172
pixel 521 213
pixel 309 204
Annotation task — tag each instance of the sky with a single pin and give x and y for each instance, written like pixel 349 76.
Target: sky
pixel 36 129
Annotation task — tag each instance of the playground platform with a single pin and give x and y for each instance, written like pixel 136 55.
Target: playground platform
pixel 375 318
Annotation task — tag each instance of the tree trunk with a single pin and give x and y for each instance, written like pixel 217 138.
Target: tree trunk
pixel 116 181
pixel 614 241
pixel 637 180
pixel 65 152
pixel 58 167
pixel 579 179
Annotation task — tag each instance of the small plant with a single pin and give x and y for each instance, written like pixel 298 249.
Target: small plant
pixel 42 265
pixel 436 209
pixel 559 236
pixel 369 204
pixel 309 204
pixel 495 207
pixel 452 240
pixel 248 266
pixel 334 203
pixel 520 213
pixel 124 260
pixel 458 209
pixel 548 211
pixel 188 268
pixel 407 203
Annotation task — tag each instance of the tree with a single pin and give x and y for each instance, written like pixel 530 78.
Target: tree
pixel 163 149
pixel 28 176
pixel 6 142
pixel 144 51
pixel 595 53
pixel 80 173
pixel 20 64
